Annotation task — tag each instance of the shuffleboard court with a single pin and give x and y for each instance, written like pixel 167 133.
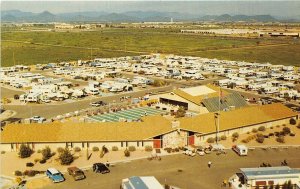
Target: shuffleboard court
pixel 131 114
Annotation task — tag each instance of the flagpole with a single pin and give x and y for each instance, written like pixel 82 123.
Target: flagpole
pixel 218 125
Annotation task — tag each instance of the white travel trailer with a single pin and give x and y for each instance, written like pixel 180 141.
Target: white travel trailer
pixel 290 77
pixel 241 150
pixel 270 90
pixel 145 182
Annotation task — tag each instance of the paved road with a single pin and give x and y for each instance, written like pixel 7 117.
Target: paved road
pixel 51 110
pixel 195 173
pixel 9 93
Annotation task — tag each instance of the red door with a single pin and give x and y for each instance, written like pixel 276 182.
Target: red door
pixel 191 140
pixel 157 143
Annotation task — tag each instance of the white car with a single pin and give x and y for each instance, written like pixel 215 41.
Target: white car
pixel 37 119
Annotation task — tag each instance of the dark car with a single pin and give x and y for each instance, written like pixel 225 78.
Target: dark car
pixel 99 103
pixel 76 173
pixel 100 168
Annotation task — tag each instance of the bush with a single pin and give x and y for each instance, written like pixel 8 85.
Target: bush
pixel 254 130
pixel 39 151
pixel 180 112
pixel 169 150
pixel 60 150
pixel 43 161
pixel 126 152
pixel 292 134
pixel 46 152
pixel 148 148
pixel 66 158
pixel 286 130
pixel 272 127
pixel 30 173
pixel 211 140
pixel 131 148
pixel 223 137
pixel 235 135
pixel 298 126
pixel 262 128
pixel 18 173
pixel 77 149
pixel 29 164
pixel 280 139
pixel 36 160
pixel 260 139
pixel 115 148
pixel 293 121
pixel 95 149
pixel 245 141
pixel 2 152
pixel 25 151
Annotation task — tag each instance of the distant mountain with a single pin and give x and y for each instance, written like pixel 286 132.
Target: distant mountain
pixel 132 16
pixel 235 18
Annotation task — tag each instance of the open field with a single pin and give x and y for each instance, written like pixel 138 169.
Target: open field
pixel 43 47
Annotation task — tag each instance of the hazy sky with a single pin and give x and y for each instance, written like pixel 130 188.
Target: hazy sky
pixel 276 8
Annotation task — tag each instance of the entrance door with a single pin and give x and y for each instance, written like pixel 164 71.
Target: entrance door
pixel 157 143
pixel 191 140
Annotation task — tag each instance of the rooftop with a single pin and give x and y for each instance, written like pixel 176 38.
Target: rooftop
pixel 252 173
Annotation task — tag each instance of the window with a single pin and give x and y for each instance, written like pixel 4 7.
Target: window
pixel 11 146
pixel 121 144
pixel 83 145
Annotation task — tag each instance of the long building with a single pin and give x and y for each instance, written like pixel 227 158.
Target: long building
pixel 155 131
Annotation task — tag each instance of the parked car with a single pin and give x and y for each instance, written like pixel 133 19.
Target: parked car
pixel 55 175
pixel 100 168
pixel 98 103
pixel 37 119
pixel 76 173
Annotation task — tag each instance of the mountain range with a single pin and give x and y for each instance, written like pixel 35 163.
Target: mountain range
pixel 132 16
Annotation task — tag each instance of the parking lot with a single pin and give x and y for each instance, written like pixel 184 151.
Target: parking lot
pixel 184 171
pixel 132 114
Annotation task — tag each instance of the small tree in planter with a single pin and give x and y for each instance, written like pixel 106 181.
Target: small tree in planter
pixel 223 137
pixel 293 121
pixel 77 149
pixel 66 158
pixel 126 152
pixel 46 152
pixel 25 151
pixel 211 140
pixel 148 148
pixel 254 130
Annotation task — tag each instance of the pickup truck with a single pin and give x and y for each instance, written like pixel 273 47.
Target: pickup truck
pixel 76 173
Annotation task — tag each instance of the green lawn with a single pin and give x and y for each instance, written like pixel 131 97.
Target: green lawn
pixel 109 42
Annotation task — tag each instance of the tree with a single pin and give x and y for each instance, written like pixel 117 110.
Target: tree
pixel 180 112
pixel 66 158
pixel 46 152
pixel 25 151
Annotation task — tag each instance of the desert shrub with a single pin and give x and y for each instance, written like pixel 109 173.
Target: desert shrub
pixel 43 161
pixel 248 132
pixel 39 151
pixel 148 148
pixel 36 160
pixel 30 173
pixel 126 152
pixel 169 150
pixel 60 150
pixel 66 158
pixel 292 134
pixel 254 130
pixel 95 149
pixel 235 135
pixel 260 139
pixel 46 152
pixel 286 130
pixel 29 164
pixel 272 127
pixel 245 141
pixel 271 134
pixel 18 173
pixel 298 126
pixel 210 140
pixel 2 152
pixel 262 128
pixel 115 148
pixel 293 121
pixel 77 149
pixel 180 112
pixel 280 139
pixel 223 137
pixel 131 148
pixel 25 151
pixel 176 149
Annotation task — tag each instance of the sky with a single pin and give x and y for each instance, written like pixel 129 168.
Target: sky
pixel 213 7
